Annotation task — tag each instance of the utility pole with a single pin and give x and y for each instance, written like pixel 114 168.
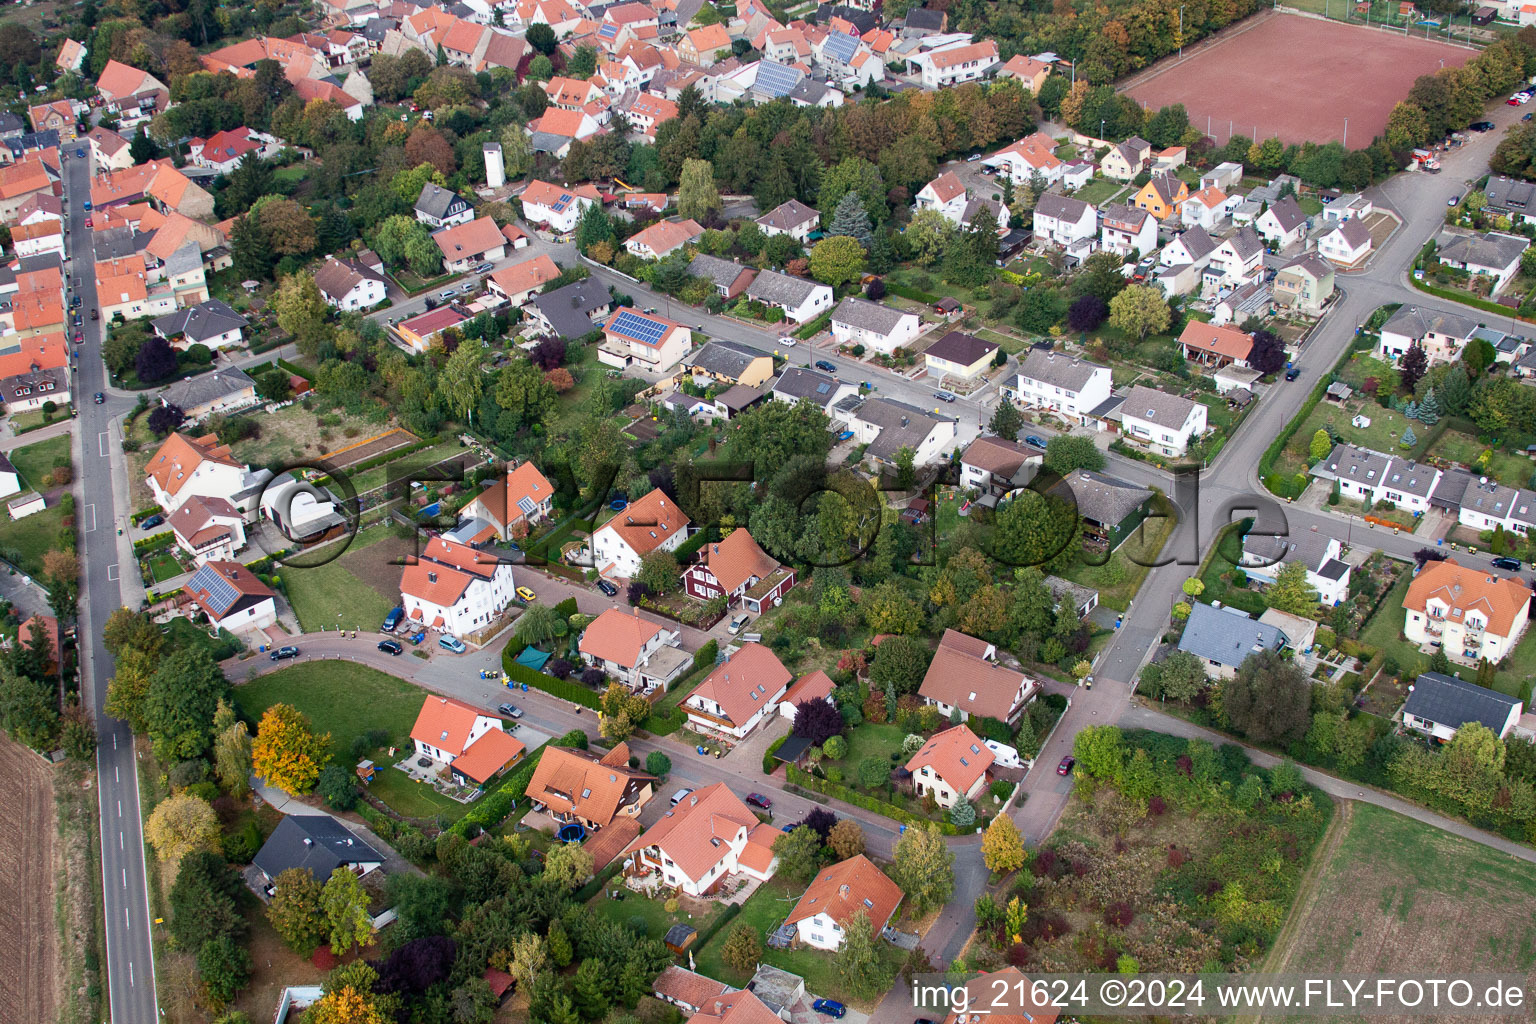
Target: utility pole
pixel 1181 30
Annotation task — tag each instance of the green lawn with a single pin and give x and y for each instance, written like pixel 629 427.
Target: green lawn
pixel 183 633
pixel 292 174
pixel 162 566
pixel 1310 205
pixel 1229 550
pixel 870 740
pixel 332 596
pixel 37 418
pixel 347 701
pixel 635 907
pixel 1507 467
pixel 26 540
pixel 36 461
pixel 764 910
pixel 1382 435
pixel 1099 190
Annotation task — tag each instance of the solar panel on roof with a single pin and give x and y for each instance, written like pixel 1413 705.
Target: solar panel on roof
pixel 639 328
pixel 777 79
pixel 221 595
pixel 822 389
pixel 526 505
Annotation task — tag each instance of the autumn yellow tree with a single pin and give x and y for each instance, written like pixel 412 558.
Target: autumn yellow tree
pixel 1002 848
pixel 180 824
pixel 346 1005
pixel 286 751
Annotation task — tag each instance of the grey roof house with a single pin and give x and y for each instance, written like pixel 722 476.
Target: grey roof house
pixel 207 393
pixel 1440 705
pixel 568 310
pixel 207 321
pixel 797 384
pixel 1223 638
pixel 442 207
pixel 317 842
pixel 729 278
pixel 1110 506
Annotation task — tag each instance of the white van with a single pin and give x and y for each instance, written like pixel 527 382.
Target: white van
pixel 738 623
pixel 680 796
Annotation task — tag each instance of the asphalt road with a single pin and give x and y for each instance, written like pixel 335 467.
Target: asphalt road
pixel 130 949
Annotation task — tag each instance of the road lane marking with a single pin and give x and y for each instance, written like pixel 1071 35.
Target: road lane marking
pixel 125 878
pixel 119 808
pixel 92 527
pixel 130 962
pixel 117 774
pixel 120 845
pixel 102 438
pixel 112 576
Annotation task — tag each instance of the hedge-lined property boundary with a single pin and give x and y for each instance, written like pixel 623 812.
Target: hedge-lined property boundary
pixel 806 780
pixel 489 811
pixel 915 294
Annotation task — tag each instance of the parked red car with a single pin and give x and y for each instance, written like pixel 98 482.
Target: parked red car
pixel 1065 768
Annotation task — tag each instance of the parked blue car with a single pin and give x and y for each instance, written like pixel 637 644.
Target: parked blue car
pixel 831 1007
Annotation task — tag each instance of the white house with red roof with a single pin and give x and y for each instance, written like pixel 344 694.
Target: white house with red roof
pixel 557 207
pixel 513 503
pixel 945 194
pixel 815 685
pixel 952 763
pixel 701 842
pixel 455 589
pixel 1031 155
pixel 466 245
pixel 639 653
pixel 232 596
pixel 662 238
pixel 646 524
pixel 837 895
pixel 185 467
pixel 737 569
pixel 955 65
pixel 743 689
pixel 643 341
pixel 208 528
pixel 223 151
pixel 465 742
pixel 964 676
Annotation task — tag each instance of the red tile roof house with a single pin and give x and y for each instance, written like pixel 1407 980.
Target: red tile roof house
pixel 662 238
pixel 815 685
pixel 687 990
pixel 468 744
pixel 701 843
pixel 239 602
pixel 1215 346
pixel 466 245
pixel 952 763
pixel 512 504
pixel 741 571
pixel 734 698
pixel 644 525
pixel 837 895
pixel 964 676
pixel 589 787
pixel 453 588
pixel 208 528
pixel 641 654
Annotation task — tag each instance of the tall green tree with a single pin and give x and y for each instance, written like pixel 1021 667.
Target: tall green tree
pixel 183 695
pixel 346 911
pixel 924 868
pixel 697 197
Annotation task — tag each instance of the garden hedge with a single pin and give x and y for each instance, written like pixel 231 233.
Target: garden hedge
pixel 806 780
pixel 157 542
pixel 562 688
pixel 915 294
pixel 769 764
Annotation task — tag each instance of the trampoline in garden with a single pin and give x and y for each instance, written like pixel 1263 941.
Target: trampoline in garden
pixel 572 833
pixel 533 658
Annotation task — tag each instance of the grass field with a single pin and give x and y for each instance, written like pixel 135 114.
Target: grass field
pixel 1099 190
pixel 1390 894
pixel 653 912
pixel 1507 467
pixel 162 566
pixel 35 461
pixel 332 596
pixel 1382 435
pixel 347 701
pixel 1120 576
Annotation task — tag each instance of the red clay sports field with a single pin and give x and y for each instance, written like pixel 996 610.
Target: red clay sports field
pixel 1295 77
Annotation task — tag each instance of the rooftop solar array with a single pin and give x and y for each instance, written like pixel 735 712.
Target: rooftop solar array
pixel 776 79
pixel 221 593
pixel 842 46
pixel 638 327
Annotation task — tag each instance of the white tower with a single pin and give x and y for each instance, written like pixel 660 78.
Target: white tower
pixel 495 170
